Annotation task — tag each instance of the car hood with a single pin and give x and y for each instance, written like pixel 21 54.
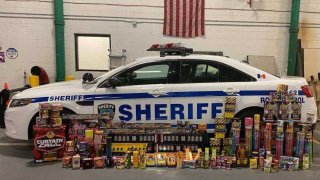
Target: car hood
pixel 74 87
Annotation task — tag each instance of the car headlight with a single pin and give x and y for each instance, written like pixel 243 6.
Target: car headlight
pixel 20 102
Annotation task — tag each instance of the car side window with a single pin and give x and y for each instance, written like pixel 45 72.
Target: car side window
pixel 229 74
pixel 210 72
pixel 198 72
pixel 206 73
pixel 146 74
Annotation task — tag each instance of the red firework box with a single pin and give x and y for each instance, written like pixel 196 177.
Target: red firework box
pixel 49 143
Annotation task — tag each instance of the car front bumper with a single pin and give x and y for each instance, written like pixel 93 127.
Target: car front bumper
pixel 17 121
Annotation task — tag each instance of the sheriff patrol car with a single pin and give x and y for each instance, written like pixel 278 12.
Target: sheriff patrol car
pixel 160 89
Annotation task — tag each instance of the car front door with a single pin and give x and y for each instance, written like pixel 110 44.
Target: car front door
pixel 142 94
pixel 200 94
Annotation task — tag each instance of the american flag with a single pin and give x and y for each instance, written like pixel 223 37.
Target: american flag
pixel 183 18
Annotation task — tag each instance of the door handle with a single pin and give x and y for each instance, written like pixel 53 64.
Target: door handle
pixel 158 93
pixel 231 91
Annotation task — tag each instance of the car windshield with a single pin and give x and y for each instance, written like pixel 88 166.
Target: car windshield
pixel 95 80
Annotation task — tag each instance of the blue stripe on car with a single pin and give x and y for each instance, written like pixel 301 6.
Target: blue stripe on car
pixel 171 94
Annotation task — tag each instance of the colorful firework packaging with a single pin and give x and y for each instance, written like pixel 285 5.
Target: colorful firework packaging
pixel 142 159
pixel 151 159
pixel 268 143
pixel 87 163
pixel 171 159
pixel 135 159
pixel 49 143
pixel 99 162
pixel 76 162
pixel 67 162
pixel 127 158
pixel 161 160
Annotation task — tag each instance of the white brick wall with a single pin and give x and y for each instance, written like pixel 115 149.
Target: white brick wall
pixel 238 32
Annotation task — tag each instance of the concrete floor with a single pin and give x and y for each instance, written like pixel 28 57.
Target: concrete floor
pixel 16 162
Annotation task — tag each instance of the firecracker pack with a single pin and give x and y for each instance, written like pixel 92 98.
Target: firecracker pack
pixel 253 163
pixel 99 162
pixel 283 111
pixel 76 162
pixel 151 159
pixel 161 159
pixel 242 159
pixel 215 143
pixel 230 107
pixel 220 128
pixel 49 143
pixel 67 162
pixel 289 163
pixel 282 88
pixel 142 159
pixel 189 164
pixel 49 115
pixel 270 110
pixel 296 111
pixel 82 128
pixel 172 159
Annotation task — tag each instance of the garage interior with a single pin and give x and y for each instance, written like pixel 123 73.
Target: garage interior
pixel 64 39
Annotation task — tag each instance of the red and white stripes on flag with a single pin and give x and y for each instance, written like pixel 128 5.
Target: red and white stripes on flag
pixel 183 18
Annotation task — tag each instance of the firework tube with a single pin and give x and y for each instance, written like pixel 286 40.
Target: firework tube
pixel 300 144
pixel 279 148
pixel 308 145
pixel 267 137
pixel 256 142
pixel 289 143
pixel 248 133
pixel 235 140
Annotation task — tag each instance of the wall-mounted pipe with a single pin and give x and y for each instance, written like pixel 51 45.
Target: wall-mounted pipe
pixel 59 40
pixel 293 39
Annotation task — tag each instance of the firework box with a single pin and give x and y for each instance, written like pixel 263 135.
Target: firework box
pixel 87 163
pixel 270 110
pixel 296 111
pixel 282 88
pixel 289 163
pixel 135 159
pixel 191 164
pixel 67 162
pixel 253 163
pixel 179 159
pixel 151 159
pixel 99 162
pixel 76 162
pixel 161 159
pixel 267 166
pixel 49 143
pixel 305 162
pixel 172 159
pixel 142 159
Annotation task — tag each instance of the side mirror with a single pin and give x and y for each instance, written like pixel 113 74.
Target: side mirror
pixel 114 82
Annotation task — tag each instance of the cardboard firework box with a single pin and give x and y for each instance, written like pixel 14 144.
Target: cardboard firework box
pixel 49 143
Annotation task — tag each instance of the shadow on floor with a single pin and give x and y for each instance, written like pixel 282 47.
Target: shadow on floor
pixel 24 152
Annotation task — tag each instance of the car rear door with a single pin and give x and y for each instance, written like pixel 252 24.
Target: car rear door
pixel 143 94
pixel 200 94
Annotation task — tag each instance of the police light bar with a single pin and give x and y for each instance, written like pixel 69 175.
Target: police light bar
pixel 156 47
pixel 171 49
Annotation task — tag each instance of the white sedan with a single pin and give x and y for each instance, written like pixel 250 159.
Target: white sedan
pixel 160 89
